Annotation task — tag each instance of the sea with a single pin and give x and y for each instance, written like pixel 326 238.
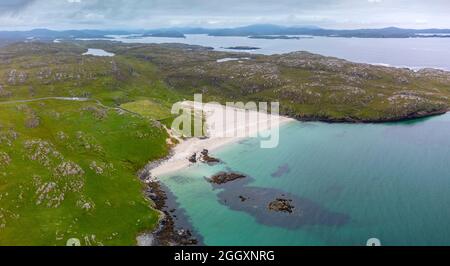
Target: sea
pixel 414 53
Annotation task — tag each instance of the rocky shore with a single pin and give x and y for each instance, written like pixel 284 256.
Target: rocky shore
pixel 171 230
pixel 406 117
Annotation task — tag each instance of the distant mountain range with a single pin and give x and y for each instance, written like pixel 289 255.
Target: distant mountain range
pixel 263 30
pixel 391 32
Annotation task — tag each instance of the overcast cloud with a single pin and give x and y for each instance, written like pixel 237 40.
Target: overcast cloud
pixel 123 14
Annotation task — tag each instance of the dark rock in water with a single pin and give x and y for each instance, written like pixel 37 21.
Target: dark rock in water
pixel 242 48
pixel 193 158
pixel 281 205
pixel 222 178
pixel 205 158
pixel 306 212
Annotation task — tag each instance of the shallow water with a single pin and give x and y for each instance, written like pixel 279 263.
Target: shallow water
pixel 348 183
pixel 413 53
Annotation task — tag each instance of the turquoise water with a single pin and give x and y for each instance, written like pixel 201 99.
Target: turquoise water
pixel 349 183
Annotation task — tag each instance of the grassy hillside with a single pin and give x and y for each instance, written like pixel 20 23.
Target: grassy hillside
pixel 68 169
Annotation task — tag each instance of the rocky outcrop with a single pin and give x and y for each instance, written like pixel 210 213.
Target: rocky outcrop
pixel 5 160
pixel 167 234
pixel 281 205
pixel 193 158
pixel 242 48
pixel 33 121
pixel 206 158
pixel 223 178
pixel 69 169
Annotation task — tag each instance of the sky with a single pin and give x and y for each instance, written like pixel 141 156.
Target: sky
pixel 150 14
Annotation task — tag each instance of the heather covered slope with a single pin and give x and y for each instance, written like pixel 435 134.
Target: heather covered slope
pixel 309 86
pixel 68 166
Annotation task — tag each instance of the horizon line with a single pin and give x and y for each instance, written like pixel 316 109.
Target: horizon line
pixel 312 27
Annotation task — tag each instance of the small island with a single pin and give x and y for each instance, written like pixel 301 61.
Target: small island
pixel 242 48
pixel 278 37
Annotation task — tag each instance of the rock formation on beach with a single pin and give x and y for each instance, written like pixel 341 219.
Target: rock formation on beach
pixel 206 158
pixel 193 158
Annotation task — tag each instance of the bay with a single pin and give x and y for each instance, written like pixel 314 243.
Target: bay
pixel 348 182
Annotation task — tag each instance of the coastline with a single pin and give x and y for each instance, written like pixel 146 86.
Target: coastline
pixel 173 227
pixel 408 117
pixel 178 159
pixel 186 148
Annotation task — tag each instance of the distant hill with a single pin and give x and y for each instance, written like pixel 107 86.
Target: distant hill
pixel 251 30
pixel 49 35
pixel 390 32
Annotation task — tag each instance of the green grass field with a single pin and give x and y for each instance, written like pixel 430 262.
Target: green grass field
pixel 98 197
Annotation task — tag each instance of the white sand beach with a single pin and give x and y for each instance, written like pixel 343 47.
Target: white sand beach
pixel 220 133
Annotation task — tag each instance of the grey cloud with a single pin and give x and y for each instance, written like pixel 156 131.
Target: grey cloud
pixel 219 13
pixel 12 6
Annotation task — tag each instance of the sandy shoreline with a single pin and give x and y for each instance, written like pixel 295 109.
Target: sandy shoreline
pixel 219 134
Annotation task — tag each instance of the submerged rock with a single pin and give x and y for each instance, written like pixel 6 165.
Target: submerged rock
pixel 282 170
